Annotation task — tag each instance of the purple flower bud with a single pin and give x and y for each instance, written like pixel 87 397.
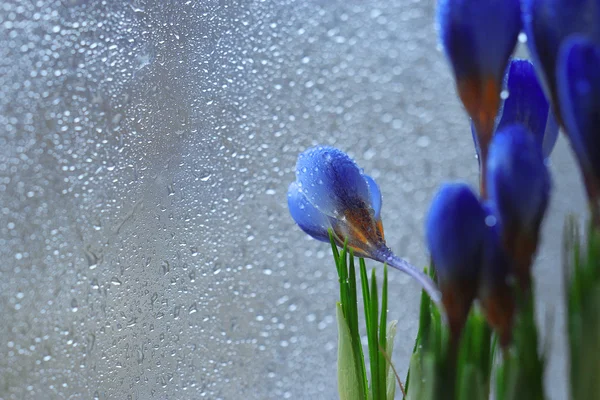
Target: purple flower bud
pixel 519 186
pixel 331 192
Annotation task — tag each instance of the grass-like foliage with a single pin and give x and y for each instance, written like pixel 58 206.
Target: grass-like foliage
pixel 439 372
pixel 478 366
pixel 582 277
pixel 353 383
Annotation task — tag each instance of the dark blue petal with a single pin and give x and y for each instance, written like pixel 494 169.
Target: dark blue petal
pixel 376 200
pixel 479 36
pixel 518 179
pixel 308 218
pixel 455 229
pixel 548 23
pixel 526 102
pixel 332 181
pixel 495 292
pixel 550 135
pixel 579 93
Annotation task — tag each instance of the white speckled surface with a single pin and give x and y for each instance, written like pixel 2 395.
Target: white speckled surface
pixel 145 153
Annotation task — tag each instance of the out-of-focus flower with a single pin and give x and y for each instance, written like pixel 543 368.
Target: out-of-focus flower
pixel 332 193
pixel 527 104
pixel 478 37
pixel 548 23
pixel 578 76
pixel 519 186
pixel 455 233
pixel 495 293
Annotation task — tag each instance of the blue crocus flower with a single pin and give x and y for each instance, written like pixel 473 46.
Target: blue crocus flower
pixel 578 75
pixel 548 23
pixel 455 233
pixel 332 193
pixel 478 37
pixel 527 104
pixel 519 186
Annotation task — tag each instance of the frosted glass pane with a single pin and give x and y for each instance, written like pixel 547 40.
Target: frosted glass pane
pixel 145 152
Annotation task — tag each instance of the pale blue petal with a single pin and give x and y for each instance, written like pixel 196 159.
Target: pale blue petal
pixel 376 199
pixel 331 181
pixel 308 218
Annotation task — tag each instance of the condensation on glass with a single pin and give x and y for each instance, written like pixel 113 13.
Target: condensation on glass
pixel 145 152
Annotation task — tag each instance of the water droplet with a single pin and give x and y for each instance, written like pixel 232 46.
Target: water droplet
pixel 74 307
pixel 522 37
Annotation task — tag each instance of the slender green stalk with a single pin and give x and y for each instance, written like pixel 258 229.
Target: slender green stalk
pixel 382 329
pixel 373 340
pixel 358 351
pixel 582 272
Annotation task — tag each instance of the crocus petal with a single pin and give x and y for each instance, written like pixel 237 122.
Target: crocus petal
pixel 495 292
pixel 308 218
pixel 455 228
pixel 455 231
pixel 332 181
pixel 578 76
pixel 518 179
pixel 526 103
pixel 548 23
pixel 376 200
pixel 479 36
pixel 550 135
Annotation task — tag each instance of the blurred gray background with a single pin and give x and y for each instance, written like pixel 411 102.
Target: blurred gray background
pixel 145 152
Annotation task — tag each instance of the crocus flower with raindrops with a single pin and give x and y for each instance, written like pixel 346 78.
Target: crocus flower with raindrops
pixel 479 36
pixel 578 74
pixel 548 23
pixel 519 186
pixel 332 193
pixel 525 103
pixel 455 233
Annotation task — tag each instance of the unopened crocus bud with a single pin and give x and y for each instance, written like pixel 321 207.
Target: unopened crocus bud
pixel 548 23
pixel 578 74
pixel 455 232
pixel 479 36
pixel 527 105
pixel 331 192
pixel 519 186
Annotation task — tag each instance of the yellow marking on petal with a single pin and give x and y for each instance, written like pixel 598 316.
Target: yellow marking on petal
pixel 521 246
pixel 499 308
pixel 363 232
pixel 481 98
pixel 457 300
pixel 380 229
